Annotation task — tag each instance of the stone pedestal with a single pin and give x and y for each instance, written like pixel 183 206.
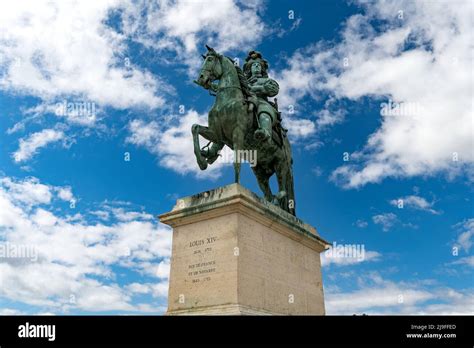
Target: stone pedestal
pixel 235 254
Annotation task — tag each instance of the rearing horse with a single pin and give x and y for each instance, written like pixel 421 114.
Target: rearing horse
pixel 232 124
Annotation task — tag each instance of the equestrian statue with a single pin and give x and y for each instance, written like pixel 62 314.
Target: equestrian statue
pixel 245 119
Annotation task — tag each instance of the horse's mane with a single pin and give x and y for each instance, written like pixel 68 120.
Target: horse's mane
pixel 242 79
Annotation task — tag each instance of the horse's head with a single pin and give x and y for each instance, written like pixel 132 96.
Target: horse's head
pixel 211 69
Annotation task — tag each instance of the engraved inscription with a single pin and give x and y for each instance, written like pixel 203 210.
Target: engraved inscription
pixel 200 272
pixel 200 242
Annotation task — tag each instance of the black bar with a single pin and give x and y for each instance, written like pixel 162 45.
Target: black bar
pixel 211 330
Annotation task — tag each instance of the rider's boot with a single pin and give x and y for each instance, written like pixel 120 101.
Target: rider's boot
pixel 265 130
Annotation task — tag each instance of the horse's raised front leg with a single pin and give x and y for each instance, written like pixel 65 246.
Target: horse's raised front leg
pixel 206 133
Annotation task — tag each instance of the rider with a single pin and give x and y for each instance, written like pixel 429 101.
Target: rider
pixel 262 87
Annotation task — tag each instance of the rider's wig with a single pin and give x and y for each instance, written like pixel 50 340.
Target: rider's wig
pixel 253 57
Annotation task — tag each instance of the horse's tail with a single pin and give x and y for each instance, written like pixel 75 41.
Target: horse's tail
pixel 289 183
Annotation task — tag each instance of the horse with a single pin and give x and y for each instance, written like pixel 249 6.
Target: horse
pixel 232 122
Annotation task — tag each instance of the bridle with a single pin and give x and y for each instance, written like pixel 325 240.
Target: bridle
pixel 210 71
pixel 212 76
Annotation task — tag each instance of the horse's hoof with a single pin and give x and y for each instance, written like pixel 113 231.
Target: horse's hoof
pixel 202 164
pixel 277 199
pixel 280 195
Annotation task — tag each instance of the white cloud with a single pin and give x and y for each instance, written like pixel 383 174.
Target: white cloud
pixel 143 133
pixel 86 115
pixel 44 218
pixel 298 127
pixel 28 191
pixel 31 192
pixel 66 52
pixel 376 295
pixel 430 74
pixel 366 299
pixel 138 288
pixel 468 261
pixel 73 269
pixel 65 193
pixel 29 146
pixel 361 223
pixel 155 289
pixel 52 49
pixel 329 118
pixel 465 237
pixel 10 311
pixel 122 215
pixel 184 27
pixel 160 289
pixel 163 269
pixel 101 214
pixel 415 202
pixel 387 220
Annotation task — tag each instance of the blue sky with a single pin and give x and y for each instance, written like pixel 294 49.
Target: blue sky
pixel 80 189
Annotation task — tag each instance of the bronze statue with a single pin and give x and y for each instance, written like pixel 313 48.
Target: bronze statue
pixel 255 69
pixel 245 120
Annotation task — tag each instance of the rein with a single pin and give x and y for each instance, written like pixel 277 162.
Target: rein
pixel 221 88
